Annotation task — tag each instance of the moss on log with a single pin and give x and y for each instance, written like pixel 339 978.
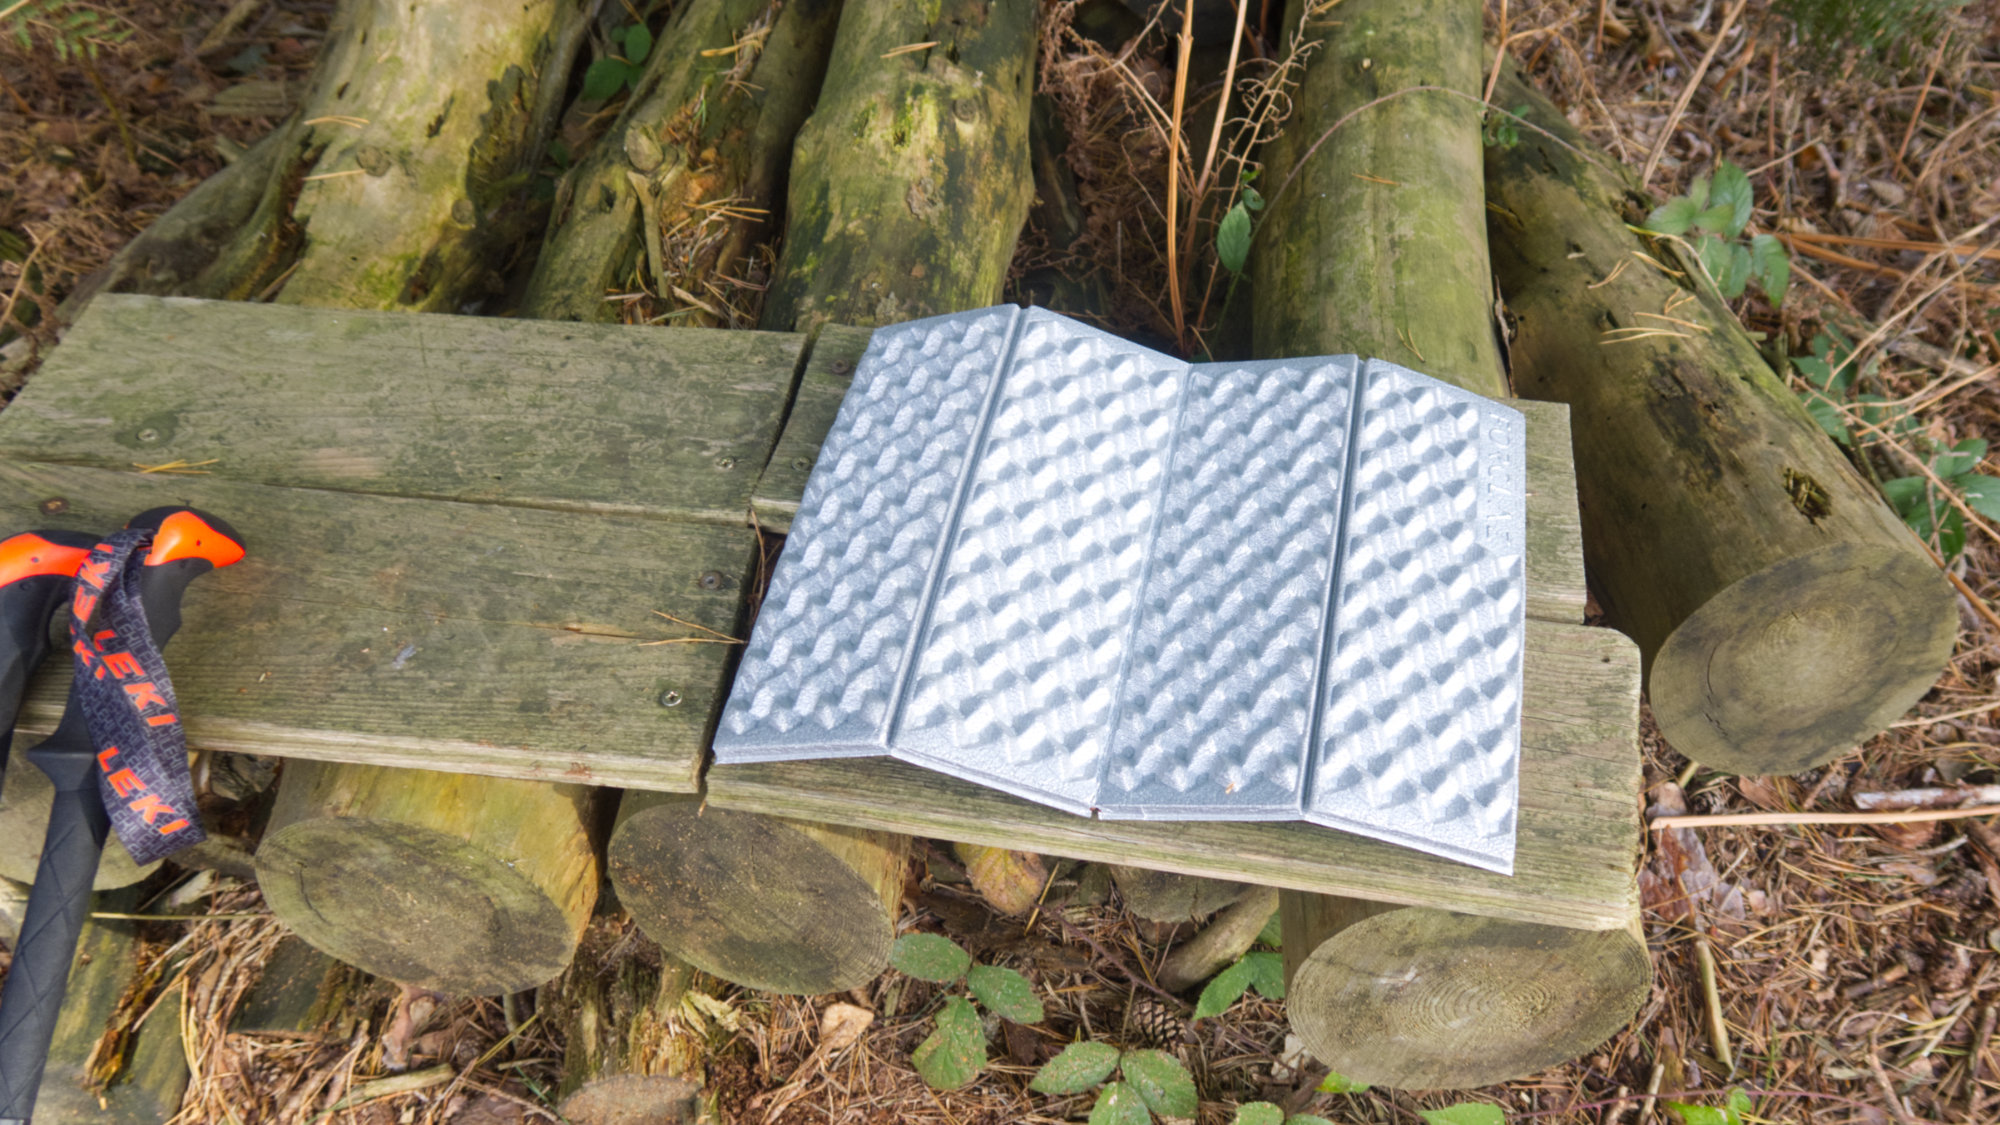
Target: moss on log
pixel 772 904
pixel 911 180
pixel 1417 998
pixel 450 882
pixel 1378 246
pixel 712 120
pixel 1166 896
pixel 402 180
pixel 1784 612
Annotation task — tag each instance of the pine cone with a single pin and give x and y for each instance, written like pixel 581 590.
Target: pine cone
pixel 1152 1021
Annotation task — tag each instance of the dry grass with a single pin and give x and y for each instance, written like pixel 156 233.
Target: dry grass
pixel 1853 969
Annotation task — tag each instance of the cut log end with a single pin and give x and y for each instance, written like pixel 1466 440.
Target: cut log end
pixel 414 905
pixel 1418 998
pixel 772 904
pixel 1804 660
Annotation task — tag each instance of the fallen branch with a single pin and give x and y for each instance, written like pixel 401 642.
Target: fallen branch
pixel 1755 820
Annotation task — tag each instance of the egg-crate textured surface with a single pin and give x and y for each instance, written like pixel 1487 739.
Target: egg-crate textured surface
pixel 1039 557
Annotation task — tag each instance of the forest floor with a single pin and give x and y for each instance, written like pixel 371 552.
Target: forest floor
pixel 1855 970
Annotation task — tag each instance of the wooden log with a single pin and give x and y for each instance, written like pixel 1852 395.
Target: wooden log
pixel 910 181
pixel 142 1079
pixel 712 120
pixel 1420 998
pixel 1784 612
pixel 24 826
pixel 1378 248
pixel 1378 245
pixel 1167 896
pixel 450 882
pixel 1222 941
pixel 629 1046
pixel 768 903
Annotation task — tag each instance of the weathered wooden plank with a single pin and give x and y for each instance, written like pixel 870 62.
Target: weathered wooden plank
pixel 1579 828
pixel 1555 532
pixel 671 422
pixel 828 373
pixel 469 637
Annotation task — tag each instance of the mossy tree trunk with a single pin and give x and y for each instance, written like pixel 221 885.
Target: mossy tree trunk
pixel 1378 245
pixel 711 123
pixel 911 180
pixel 1784 612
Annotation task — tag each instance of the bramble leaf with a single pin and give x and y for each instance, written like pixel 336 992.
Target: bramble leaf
pixel 1674 216
pixel 1982 494
pixel 1273 933
pixel 1464 1113
pixel 1119 1104
pixel 1251 199
pixel 1258 1113
pixel 1732 189
pixel 1338 1083
pixel 1232 239
pixel 1006 992
pixel 1223 990
pixel 929 957
pixel 1772 267
pixel 1078 1068
pixel 955 1052
pixel 1716 218
pixel 604 78
pixel 1267 974
pixel 1697 1114
pixel 1306 1119
pixel 1961 459
pixel 1160 1079
pixel 638 44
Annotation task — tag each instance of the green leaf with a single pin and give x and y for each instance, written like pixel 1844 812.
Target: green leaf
pixel 1078 1068
pixel 1161 1080
pixel 955 1053
pixel 1951 534
pixel 1338 1083
pixel 1905 494
pixel 1982 494
pixel 1006 992
pixel 1739 1104
pixel 1251 199
pixel 1267 974
pixel 1306 1119
pixel 1963 458
pixel 1258 1113
pixel 1273 933
pixel 1829 416
pixel 1716 218
pixel 1736 272
pixel 604 78
pixel 929 957
pixel 1732 189
pixel 1464 1113
pixel 1772 267
pixel 1697 1114
pixel 1713 254
pixel 1674 216
pixel 638 44
pixel 1222 991
pixel 1232 239
pixel 1119 1104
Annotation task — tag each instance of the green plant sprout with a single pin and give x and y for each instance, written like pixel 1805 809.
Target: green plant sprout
pixel 1232 235
pixel 1149 1082
pixel 955 1051
pixel 1501 130
pixel 72 31
pixel 1711 218
pixel 1260 970
pixel 1731 1113
pixel 615 72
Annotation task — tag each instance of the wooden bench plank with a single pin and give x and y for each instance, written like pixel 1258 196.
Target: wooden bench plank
pixel 469 637
pixel 1579 821
pixel 1555 529
pixel 671 422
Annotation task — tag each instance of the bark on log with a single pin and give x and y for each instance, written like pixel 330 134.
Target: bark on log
pixel 627 1046
pixel 772 904
pixel 1784 612
pixel 713 119
pixel 1378 247
pixel 1164 896
pixel 151 1072
pixel 450 882
pixel 1416 998
pixel 24 826
pixel 910 181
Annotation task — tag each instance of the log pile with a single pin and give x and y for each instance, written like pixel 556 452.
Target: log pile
pixel 1783 611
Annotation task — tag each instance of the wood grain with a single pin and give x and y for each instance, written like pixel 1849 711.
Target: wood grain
pixel 829 371
pixel 467 637
pixel 1579 822
pixel 667 422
